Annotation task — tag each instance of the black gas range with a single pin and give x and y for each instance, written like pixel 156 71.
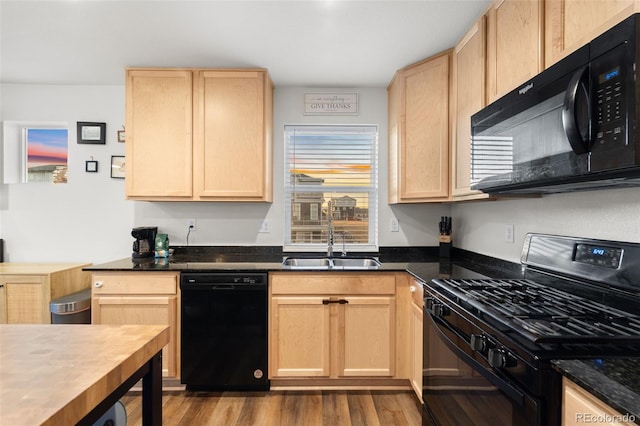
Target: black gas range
pixel 489 342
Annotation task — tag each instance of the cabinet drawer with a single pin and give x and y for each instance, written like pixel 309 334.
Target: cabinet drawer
pixel 135 283
pixel 332 283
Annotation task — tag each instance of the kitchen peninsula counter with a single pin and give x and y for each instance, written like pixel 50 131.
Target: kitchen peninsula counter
pixel 27 288
pixel 58 374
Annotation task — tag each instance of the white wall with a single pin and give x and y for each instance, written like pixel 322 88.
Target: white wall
pixel 88 218
pixel 612 214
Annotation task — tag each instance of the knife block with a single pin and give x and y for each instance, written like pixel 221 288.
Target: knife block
pixel 445 246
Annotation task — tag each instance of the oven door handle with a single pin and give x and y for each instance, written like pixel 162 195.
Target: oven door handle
pixel 512 392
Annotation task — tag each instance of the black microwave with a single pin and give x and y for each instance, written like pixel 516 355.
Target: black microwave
pixel 572 127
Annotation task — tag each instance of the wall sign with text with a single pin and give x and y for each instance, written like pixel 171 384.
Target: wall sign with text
pixel 331 104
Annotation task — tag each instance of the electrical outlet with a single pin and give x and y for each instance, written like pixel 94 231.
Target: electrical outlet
pixel 265 227
pixel 394 225
pixel 508 234
pixel 191 224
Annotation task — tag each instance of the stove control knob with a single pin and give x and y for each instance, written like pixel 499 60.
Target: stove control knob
pixel 437 308
pixel 499 358
pixel 479 343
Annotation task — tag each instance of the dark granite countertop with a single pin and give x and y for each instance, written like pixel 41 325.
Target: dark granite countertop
pixel 421 262
pixel 615 381
pixel 423 270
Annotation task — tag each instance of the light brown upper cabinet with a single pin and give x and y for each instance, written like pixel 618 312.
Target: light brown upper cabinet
pixel 569 24
pixel 467 97
pixel 159 139
pixel 199 134
pixel 419 132
pixel 514 44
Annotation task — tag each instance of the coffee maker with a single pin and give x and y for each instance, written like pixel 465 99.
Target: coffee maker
pixel 144 245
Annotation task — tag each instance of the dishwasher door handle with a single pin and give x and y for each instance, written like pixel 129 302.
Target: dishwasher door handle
pixel 222 287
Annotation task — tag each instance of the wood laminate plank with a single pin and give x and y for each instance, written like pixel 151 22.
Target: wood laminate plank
pixel 56 374
pixel 389 409
pixel 335 408
pixel 284 408
pixel 362 409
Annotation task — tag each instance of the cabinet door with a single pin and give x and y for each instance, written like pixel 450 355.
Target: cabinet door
pixel 396 124
pixel 26 300
pixel 569 24
pixel 232 135
pixel 468 97
pixel 142 310
pixel 514 44
pixel 3 304
pixel 299 337
pixel 366 340
pixel 158 133
pixel 417 348
pixel 424 142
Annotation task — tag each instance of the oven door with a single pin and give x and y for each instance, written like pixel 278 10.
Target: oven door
pixel 459 386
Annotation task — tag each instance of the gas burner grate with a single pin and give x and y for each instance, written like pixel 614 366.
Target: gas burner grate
pixel 545 314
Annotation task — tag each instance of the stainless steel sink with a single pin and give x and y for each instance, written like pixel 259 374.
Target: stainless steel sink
pixel 344 263
pixel 307 263
pixel 355 262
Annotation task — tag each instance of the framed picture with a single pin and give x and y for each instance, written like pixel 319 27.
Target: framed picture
pixel 117 166
pixel 94 133
pixel 91 166
pixel 120 135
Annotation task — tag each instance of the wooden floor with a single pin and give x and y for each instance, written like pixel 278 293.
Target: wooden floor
pixel 308 408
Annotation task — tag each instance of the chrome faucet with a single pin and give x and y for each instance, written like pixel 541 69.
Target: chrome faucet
pixel 344 249
pixel 330 229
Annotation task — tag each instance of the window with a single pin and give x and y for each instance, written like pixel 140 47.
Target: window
pixel 331 172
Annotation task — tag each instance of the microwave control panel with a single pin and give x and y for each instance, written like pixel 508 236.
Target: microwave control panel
pixel 609 101
pixel 610 74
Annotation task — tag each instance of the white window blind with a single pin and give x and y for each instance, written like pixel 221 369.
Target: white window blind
pixel 331 170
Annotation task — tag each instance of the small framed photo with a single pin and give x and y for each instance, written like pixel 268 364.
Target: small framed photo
pixel 93 133
pixel 117 167
pixel 120 135
pixel 91 166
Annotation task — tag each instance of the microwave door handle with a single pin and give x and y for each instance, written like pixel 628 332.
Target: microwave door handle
pixel 570 111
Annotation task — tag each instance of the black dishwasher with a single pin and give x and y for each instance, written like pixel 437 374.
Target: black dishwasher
pixel 224 331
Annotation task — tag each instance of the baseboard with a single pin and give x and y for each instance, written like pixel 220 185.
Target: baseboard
pixel 340 384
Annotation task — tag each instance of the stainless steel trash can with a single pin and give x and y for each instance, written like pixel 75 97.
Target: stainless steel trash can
pixel 74 308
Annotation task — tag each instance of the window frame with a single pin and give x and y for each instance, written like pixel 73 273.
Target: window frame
pixel 371 191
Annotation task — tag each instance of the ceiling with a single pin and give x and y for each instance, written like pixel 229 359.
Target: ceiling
pixel 317 43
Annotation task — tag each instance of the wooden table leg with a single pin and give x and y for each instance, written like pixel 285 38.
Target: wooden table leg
pixel 152 393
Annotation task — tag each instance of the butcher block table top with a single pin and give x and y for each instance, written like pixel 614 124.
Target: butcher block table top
pixel 57 374
pixel 17 268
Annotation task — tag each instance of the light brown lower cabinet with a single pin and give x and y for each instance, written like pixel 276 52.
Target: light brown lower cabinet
pixel 26 289
pixel 3 304
pixel 140 298
pixel 580 407
pixel 417 320
pixel 332 325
